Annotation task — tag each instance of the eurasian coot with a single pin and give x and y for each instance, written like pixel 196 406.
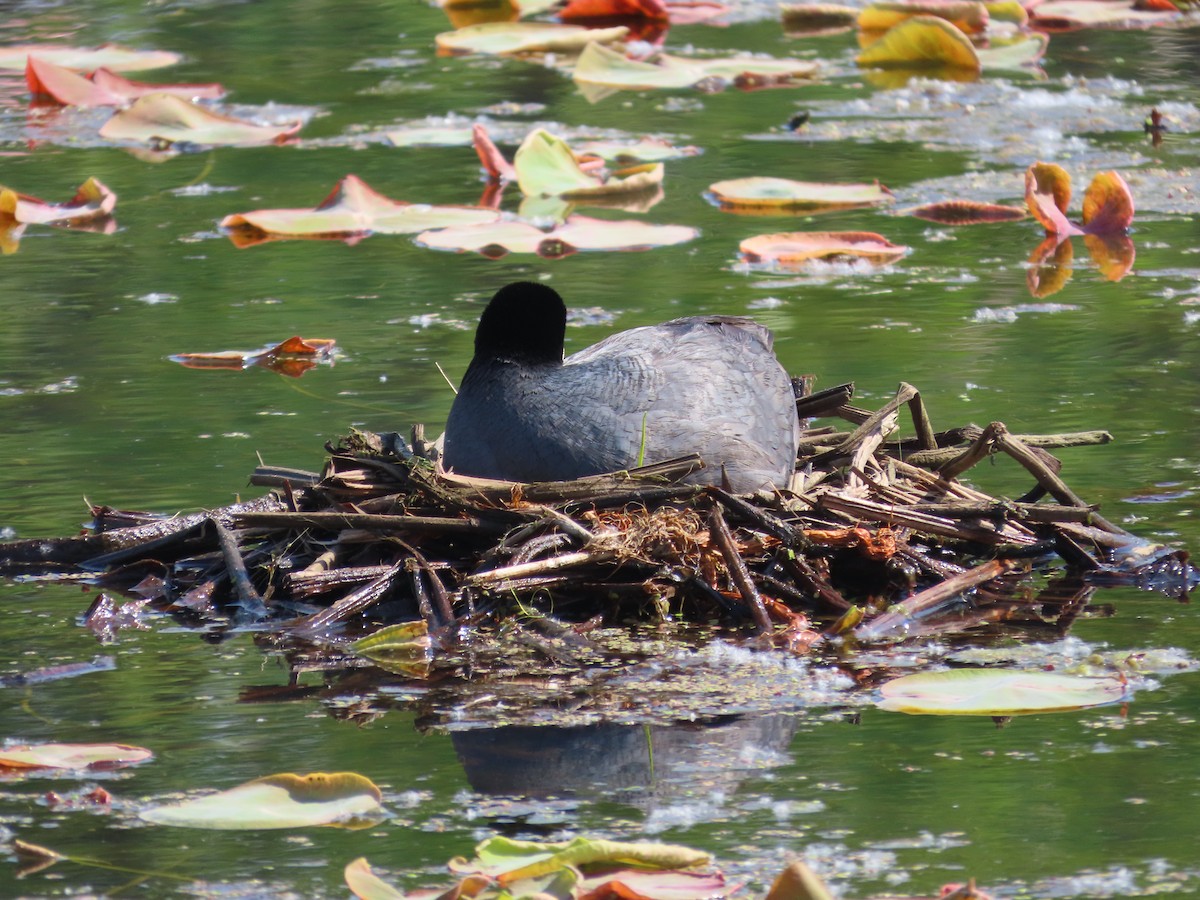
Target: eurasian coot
pixel 705 384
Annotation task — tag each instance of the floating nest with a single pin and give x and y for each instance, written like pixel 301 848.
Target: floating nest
pixel 384 559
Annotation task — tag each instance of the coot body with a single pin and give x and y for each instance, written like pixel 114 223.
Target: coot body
pixel 705 384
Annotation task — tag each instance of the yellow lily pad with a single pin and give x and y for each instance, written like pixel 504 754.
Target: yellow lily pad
pixel 85 59
pixel 996 692
pixel 968 16
pixel 922 41
pixel 577 233
pixel 507 38
pixel 164 118
pixel 763 195
pixel 546 167
pixel 71 756
pixel 798 247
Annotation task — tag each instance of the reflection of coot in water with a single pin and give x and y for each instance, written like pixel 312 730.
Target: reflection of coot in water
pixel 706 384
pixel 645 764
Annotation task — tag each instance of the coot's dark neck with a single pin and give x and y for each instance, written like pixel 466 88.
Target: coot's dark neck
pixel 524 322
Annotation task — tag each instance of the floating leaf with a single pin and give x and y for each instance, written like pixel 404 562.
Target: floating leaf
pixel 796 247
pixel 762 195
pixel 510 859
pixel 108 56
pixel 966 15
pixel 507 38
pixel 922 41
pixel 92 202
pixel 652 10
pixel 1024 49
pixel 817 18
pixel 404 648
pixel 352 210
pixel 1067 15
pixel 164 118
pixel 996 692
pixel 465 13
pixel 626 153
pixel 430 136
pixel 278 801
pixel 577 233
pixel 366 885
pixel 1007 11
pixel 1107 205
pixel 1047 194
pixel 798 882
pixel 103 88
pixel 546 167
pixel 966 212
pixel 292 357
pixel 72 756
pixel 490 157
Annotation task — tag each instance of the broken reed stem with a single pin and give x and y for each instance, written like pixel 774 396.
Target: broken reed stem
pixel 738 571
pixel 249 599
pixel 322 622
pixel 336 521
pixel 540 567
pixel 1036 466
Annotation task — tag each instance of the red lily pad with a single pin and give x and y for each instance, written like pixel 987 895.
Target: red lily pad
pixel 966 212
pixel 93 201
pixel 798 247
pixel 577 233
pixel 103 88
pixel 87 59
pixel 292 357
pixel 1107 203
pixel 162 118
pixel 71 756
pixel 352 210
pixel 652 10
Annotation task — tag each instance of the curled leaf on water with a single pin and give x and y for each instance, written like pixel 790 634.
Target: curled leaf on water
pixel 366 885
pixel 968 16
pixel 351 211
pixel 429 136
pixel 922 41
pixel 966 212
pixel 161 118
pixel 292 357
pixel 815 19
pixel 92 202
pixel 577 233
pixel 799 247
pixel 508 859
pixel 1007 11
pixel 405 648
pixel 1047 194
pixel 1071 15
pixel 103 87
pixel 71 756
pixel 1107 205
pixel 509 38
pixel 278 801
pixel 87 59
pixel 997 692
pixel 763 195
pixel 798 882
pixel 490 157
pixel 545 167
pixel 626 153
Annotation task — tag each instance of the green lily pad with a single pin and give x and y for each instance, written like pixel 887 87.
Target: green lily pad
pixel 996 692
pixel 546 167
pixel 278 801
pixel 513 859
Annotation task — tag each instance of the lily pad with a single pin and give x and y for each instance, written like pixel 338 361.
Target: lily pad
pixel 577 233
pixel 103 88
pixel 508 38
pixel 1067 15
pixel 1107 204
pixel 650 10
pixel 796 247
pixel 71 756
pixel 512 859
pixel 352 210
pixel 546 167
pixel 292 357
pixel 107 56
pixel 628 153
pixel 278 801
pixel 922 41
pixel 968 16
pixel 1023 49
pixel 160 118
pixel 366 885
pixel 91 202
pixel 996 692
pixel 763 195
pixel 405 648
pixel 966 212
pixel 813 19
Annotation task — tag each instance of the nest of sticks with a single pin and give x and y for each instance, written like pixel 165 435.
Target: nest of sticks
pixel 878 539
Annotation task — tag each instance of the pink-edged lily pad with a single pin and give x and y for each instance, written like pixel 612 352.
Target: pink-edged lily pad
pixel 85 59
pixel 545 167
pixel 1070 15
pixel 93 201
pixel 968 16
pixel 278 801
pixel 1107 204
pixel 103 88
pixel 509 38
pixel 161 118
pixel 966 212
pixel 430 136
pixel 997 692
pixel 922 41
pixel 72 756
pixel 764 195
pixel 577 233
pixel 351 210
pixel 799 247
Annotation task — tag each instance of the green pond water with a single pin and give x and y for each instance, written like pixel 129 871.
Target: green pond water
pixel 1093 803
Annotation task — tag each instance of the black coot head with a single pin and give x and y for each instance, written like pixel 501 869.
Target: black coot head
pixel 524 322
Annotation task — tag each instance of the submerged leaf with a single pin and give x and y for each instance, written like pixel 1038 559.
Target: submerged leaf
pixel 795 247
pixel 278 801
pixel 351 210
pixel 103 88
pixel 922 41
pixel 107 56
pixel 996 692
pixel 93 201
pixel 966 212
pixel 165 118
pixel 577 233
pixel 506 38
pixel 71 756
pixel 764 195
pixel 966 15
